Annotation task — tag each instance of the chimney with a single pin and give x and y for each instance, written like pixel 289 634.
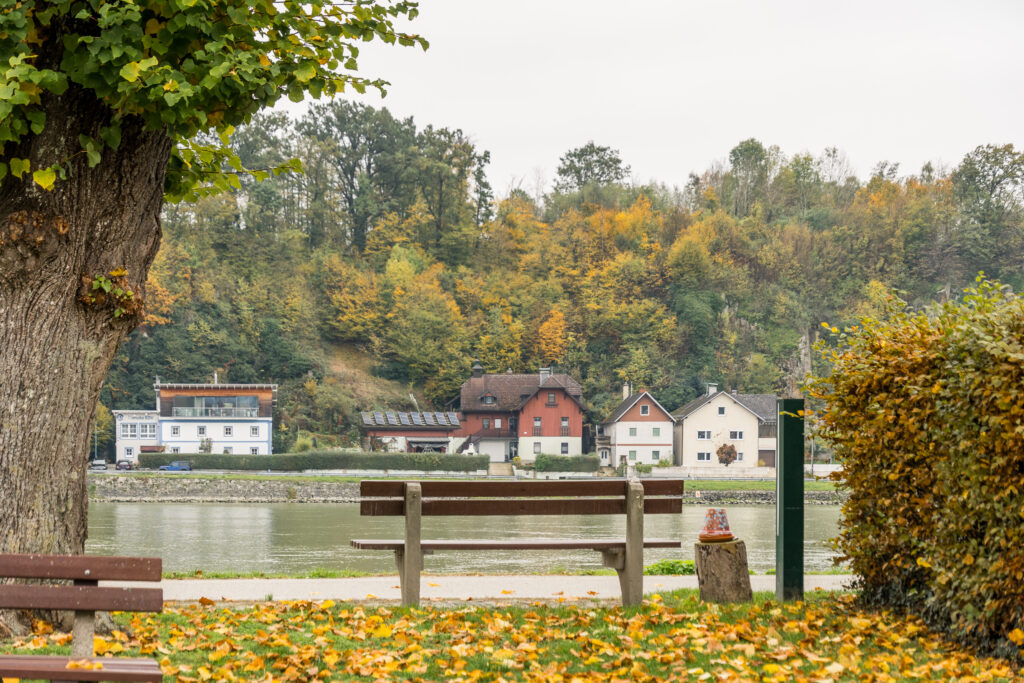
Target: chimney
pixel 478 370
pixel 544 374
pixel 214 376
pixel 626 390
pixel 733 392
pixel 712 389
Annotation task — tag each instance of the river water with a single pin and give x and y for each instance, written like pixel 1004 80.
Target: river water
pixel 292 538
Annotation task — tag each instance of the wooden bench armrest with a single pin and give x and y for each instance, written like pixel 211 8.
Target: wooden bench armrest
pixel 55 668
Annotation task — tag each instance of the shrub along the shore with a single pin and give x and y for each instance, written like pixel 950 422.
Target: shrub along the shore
pixel 566 463
pixel 322 460
pixel 925 411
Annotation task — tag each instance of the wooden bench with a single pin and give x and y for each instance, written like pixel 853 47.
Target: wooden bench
pixel 415 499
pixel 85 597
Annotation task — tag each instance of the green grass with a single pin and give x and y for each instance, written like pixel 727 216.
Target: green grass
pixel 744 485
pixel 672 636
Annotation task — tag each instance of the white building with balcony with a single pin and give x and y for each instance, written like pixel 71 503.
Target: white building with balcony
pixel 200 418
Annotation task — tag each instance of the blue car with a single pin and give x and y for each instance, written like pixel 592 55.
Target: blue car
pixel 177 466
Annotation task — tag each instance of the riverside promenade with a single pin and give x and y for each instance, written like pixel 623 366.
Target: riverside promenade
pixel 449 588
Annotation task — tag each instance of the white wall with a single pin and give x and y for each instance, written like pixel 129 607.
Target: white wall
pixel 644 443
pixel 549 445
pixel 241 440
pixel 122 443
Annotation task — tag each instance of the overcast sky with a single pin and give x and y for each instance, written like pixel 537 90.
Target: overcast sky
pixel 675 84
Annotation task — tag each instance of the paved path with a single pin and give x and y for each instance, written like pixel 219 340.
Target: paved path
pixel 489 588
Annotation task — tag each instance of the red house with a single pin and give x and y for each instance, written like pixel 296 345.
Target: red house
pixel 509 415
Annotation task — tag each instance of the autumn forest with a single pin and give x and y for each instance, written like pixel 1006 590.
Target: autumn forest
pixel 375 276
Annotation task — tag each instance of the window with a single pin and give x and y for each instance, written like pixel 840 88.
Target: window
pixel 147 430
pixel 254 451
pixel 604 454
pixel 739 457
pixel 129 452
pixel 175 449
pixel 645 410
pixel 536 446
pixel 632 455
pixel 736 435
pixel 565 426
pixel 767 430
pixel 227 431
pixel 551 398
pixel 703 434
pixel 632 431
pixel 721 410
pixel 704 457
pixel 254 430
pixel 536 422
pixel 201 430
pixel 536 426
pixel 565 448
pixel 227 450
pixel 656 431
pixel 129 430
pixel 489 400
pixel 175 431
pixel 486 422
pixel 655 455
pixel 497 423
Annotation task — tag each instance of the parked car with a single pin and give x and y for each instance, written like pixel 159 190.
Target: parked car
pixel 97 464
pixel 123 465
pixel 177 466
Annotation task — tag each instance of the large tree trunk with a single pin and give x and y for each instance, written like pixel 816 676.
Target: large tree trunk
pixel 55 345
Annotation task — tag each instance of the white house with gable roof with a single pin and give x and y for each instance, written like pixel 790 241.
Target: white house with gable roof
pixel 747 421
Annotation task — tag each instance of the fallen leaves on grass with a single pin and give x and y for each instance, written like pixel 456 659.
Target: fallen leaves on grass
pixel 675 638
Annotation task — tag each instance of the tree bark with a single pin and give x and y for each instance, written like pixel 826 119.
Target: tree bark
pixel 722 573
pixel 55 346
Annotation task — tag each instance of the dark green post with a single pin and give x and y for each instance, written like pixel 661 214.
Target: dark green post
pixel 789 502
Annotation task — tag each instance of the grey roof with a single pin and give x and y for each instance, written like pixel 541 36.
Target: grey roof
pixel 628 403
pixel 764 406
pixel 511 392
pixel 416 420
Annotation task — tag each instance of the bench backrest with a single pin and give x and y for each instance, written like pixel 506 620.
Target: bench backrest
pixel 545 497
pixel 85 571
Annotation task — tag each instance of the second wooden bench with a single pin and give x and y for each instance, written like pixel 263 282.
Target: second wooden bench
pixel 416 499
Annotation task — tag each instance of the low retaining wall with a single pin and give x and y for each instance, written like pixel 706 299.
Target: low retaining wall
pixel 174 488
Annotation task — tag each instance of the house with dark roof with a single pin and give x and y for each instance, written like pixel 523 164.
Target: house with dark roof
pixel 509 414
pixel 747 421
pixel 638 432
pixel 422 432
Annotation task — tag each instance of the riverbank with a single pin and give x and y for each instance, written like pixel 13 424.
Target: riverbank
pixel 180 488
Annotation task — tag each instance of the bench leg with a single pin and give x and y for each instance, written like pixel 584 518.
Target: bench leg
pixel 82 635
pixel 410 558
pixel 631 578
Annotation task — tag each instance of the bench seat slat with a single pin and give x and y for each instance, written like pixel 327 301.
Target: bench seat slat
pixel 83 567
pixel 50 667
pixel 84 598
pixel 520 506
pixel 375 488
pixel 514 544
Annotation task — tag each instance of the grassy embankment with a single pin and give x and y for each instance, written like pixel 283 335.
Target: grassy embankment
pixel 691 485
pixel 669 637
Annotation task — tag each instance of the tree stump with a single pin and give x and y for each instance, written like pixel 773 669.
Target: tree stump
pixel 722 573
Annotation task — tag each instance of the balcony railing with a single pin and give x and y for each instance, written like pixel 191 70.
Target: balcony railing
pixel 537 431
pixel 564 431
pixel 215 412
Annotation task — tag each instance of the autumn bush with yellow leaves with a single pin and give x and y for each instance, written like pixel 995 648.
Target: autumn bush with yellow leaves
pixel 671 637
pixel 925 409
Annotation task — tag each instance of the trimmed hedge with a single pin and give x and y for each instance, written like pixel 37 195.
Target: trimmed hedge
pixel 926 413
pixel 322 460
pixel 566 463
